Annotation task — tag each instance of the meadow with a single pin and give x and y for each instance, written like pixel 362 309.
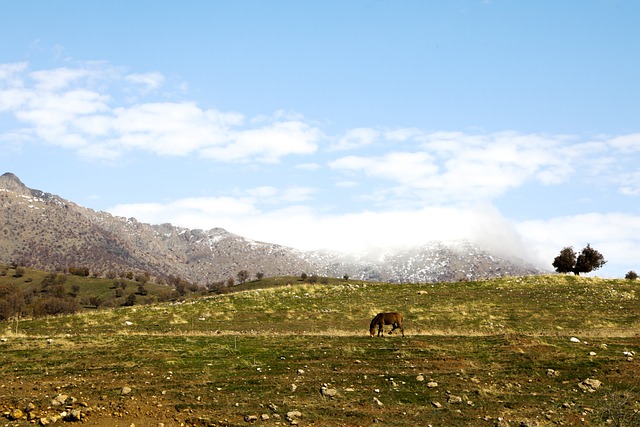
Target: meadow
pixel 517 351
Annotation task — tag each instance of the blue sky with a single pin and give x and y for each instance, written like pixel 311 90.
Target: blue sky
pixel 336 124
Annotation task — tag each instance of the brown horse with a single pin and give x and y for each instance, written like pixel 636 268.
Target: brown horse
pixel 381 319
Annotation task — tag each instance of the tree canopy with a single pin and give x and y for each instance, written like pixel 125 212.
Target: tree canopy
pixel 588 260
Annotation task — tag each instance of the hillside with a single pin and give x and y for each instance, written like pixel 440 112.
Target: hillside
pixel 528 351
pixel 45 231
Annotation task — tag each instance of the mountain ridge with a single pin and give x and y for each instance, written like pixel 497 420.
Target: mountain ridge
pixel 42 230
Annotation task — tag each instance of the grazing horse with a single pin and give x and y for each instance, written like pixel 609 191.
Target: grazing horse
pixel 381 319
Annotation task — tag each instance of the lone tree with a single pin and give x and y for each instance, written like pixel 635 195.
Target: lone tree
pixel 588 260
pixel 632 275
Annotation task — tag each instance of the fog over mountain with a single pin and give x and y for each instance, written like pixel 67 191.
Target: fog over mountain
pixel 45 231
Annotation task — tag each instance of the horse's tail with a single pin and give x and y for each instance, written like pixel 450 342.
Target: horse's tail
pixel 400 319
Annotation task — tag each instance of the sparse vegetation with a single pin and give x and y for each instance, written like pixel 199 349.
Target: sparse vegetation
pixel 495 352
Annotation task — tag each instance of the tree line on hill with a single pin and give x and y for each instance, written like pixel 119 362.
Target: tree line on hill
pixel 54 295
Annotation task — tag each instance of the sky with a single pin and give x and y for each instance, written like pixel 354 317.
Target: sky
pixel 344 125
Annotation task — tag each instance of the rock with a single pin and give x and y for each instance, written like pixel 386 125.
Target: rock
pixel 552 373
pixel 329 392
pixel 59 400
pixel 293 387
pixel 574 339
pixel 437 405
pixel 432 384
pixel 300 371
pixel 420 378
pixel 251 418
pixel 74 415
pixel 592 353
pixel 264 417
pixel 590 385
pixel 293 415
pixel 378 402
pixel 454 399
pixel 125 390
pixel 15 414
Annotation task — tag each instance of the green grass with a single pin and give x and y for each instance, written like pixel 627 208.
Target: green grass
pixel 214 360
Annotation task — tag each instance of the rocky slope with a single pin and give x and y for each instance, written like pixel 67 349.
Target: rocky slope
pixel 45 231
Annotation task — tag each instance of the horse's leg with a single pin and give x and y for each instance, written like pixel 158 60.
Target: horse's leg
pixel 380 329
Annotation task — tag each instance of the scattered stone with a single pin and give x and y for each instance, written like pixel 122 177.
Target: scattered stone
pixel 590 385
pixel 454 399
pixel 293 387
pixel 74 415
pixel 125 390
pixel 272 407
pixel 551 373
pixel 292 416
pixel 59 400
pixel 574 339
pixel 378 402
pixel 300 371
pixel 420 378
pixel 251 418
pixel 437 405
pixel 592 353
pixel 432 384
pixel 329 392
pixel 264 417
pixel 15 414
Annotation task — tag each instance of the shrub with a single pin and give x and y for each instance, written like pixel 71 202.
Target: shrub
pixel 49 306
pixel 632 275
pixel 11 301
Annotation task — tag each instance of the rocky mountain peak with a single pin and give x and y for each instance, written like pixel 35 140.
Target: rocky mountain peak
pixel 10 182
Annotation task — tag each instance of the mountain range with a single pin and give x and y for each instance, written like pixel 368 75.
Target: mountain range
pixel 45 231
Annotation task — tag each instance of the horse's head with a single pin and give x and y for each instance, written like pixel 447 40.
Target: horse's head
pixel 372 331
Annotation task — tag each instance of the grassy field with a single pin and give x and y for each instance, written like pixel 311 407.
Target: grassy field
pixel 549 350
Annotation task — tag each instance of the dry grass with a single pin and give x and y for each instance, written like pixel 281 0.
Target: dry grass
pixel 224 357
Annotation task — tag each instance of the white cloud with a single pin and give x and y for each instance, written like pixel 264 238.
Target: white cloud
pixel 455 166
pixel 356 138
pixel 63 107
pixel 626 143
pixel 151 81
pixel 412 169
pixel 267 144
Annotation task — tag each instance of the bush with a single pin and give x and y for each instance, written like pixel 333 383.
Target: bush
pixel 11 301
pixel 631 275
pixel 49 306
